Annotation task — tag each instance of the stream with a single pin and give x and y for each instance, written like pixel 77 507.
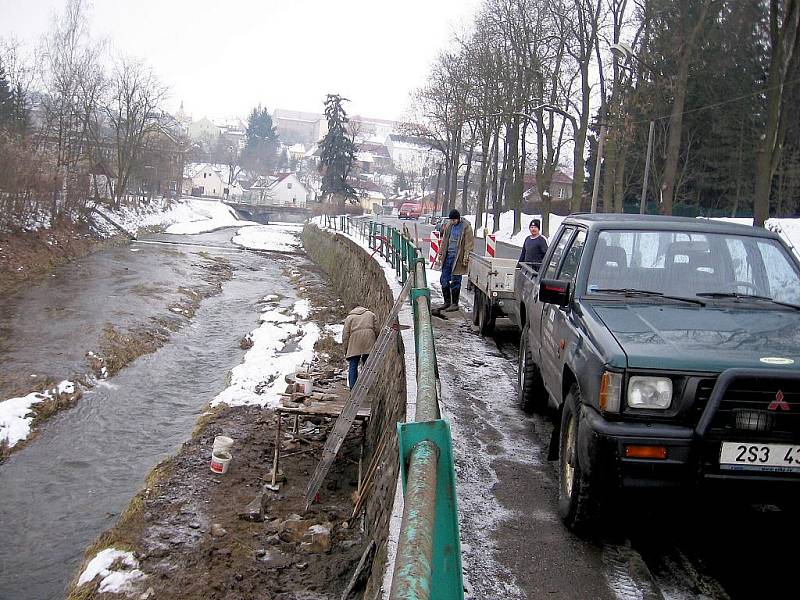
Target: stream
pixel 71 483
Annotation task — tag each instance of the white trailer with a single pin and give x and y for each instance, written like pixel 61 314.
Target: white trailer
pixel 493 282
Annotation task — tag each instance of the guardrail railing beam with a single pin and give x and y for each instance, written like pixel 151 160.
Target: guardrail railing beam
pixel 428 561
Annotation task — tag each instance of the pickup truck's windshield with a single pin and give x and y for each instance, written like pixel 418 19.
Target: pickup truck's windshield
pixel 690 264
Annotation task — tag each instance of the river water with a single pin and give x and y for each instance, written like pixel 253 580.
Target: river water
pixel 71 482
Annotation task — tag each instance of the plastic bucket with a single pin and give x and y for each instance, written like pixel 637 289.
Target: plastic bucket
pixel 305 382
pixel 220 459
pixel 222 442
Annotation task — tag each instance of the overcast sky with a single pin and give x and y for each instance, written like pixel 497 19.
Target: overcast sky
pixel 222 57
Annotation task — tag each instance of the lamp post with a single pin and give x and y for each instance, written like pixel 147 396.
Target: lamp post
pixel 623 51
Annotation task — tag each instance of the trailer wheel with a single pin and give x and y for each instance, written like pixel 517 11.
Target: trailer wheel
pixel 485 317
pixel 532 393
pixel 477 303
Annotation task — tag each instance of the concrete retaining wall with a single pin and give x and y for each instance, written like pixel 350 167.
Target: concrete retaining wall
pixel 359 279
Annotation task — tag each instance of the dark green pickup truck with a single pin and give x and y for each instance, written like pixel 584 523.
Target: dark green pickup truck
pixel 669 349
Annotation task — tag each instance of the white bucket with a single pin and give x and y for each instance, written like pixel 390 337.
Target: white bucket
pixel 222 442
pixel 220 459
pixel 305 382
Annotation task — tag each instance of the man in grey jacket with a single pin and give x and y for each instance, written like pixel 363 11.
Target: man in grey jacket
pixel 358 337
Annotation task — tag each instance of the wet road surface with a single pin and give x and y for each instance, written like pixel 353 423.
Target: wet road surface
pixel 668 548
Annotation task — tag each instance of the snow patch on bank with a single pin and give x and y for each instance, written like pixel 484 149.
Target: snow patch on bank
pixel 336 331
pixel 275 238
pixel 192 214
pixel 114 581
pixel 280 346
pixel 199 216
pixel 16 414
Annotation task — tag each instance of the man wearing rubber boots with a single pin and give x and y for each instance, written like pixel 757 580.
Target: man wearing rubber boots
pixel 454 250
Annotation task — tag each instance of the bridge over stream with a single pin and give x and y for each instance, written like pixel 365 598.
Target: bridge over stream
pixel 266 213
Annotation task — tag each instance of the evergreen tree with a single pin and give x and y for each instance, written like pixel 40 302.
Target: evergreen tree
pixel 261 142
pixel 338 152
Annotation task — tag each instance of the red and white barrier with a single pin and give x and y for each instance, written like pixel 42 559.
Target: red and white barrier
pixel 434 251
pixel 491 243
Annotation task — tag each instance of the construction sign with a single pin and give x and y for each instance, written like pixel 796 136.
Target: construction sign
pixel 491 243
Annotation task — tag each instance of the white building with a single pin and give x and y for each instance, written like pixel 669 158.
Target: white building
pixel 206 179
pixel 284 190
pixel 410 154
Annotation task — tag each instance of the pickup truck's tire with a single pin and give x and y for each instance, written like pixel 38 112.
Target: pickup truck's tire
pixel 485 318
pixel 532 394
pixel 579 494
pixel 476 306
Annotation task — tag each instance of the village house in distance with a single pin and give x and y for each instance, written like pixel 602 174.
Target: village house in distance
pixel 390 167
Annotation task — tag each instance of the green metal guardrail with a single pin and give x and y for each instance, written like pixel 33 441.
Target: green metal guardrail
pixel 428 562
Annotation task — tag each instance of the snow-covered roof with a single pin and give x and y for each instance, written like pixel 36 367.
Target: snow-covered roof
pixel 365 157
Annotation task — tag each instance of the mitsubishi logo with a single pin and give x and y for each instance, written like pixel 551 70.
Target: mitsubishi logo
pixel 779 402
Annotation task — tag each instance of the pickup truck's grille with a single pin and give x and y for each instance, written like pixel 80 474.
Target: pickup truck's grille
pixel 758 405
pixel 702 395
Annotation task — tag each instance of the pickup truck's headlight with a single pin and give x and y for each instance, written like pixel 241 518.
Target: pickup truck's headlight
pixel 649 392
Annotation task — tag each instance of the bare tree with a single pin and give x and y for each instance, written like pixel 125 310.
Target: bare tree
pixel 68 58
pixel 133 112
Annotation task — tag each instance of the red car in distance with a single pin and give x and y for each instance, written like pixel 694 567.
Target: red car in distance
pixel 410 210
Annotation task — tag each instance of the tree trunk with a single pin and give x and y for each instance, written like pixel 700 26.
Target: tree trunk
pixel 784 41
pixel 481 204
pixel 676 114
pixel 465 185
pixel 496 181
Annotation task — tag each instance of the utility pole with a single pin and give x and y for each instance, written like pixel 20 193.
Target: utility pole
pixel 646 169
pixel 596 184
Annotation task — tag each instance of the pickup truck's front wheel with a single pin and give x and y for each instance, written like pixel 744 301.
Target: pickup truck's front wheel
pixel 578 492
pixel 532 395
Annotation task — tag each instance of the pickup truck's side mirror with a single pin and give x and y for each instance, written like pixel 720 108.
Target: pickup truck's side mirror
pixel 553 291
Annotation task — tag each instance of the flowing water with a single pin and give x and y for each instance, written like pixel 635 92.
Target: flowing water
pixel 71 482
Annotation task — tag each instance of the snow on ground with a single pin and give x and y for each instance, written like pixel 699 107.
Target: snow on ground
pixel 504 233
pixel 336 331
pixel 114 581
pixel 199 216
pixel 281 237
pixel 188 215
pixel 280 345
pixel 16 414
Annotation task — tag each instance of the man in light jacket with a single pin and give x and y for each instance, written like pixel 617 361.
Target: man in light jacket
pixel 358 337
pixel 454 249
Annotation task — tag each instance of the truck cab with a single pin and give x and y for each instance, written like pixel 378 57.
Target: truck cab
pixel 668 351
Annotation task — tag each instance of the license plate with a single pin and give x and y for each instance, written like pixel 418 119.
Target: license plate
pixel 759 457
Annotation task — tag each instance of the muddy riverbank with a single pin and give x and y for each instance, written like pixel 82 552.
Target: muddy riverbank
pixel 189 531
pixel 27 256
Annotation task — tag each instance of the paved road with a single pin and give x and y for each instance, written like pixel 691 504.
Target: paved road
pixel 515 546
